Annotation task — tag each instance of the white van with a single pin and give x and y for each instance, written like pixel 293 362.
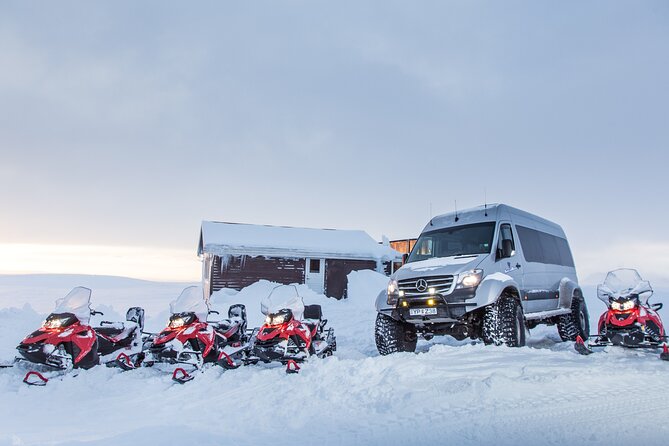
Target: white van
pixel 487 273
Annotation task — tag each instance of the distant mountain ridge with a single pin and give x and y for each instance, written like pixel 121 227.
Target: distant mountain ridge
pixel 72 280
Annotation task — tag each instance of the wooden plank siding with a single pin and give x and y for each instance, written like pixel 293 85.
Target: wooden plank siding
pixel 403 246
pixel 336 272
pixel 238 272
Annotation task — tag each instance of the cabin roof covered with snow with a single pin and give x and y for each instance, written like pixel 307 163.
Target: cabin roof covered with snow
pixel 221 239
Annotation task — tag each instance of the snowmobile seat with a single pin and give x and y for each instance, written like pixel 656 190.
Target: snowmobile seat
pixel 313 312
pixel 110 329
pixel 313 316
pixel 136 315
pixel 237 313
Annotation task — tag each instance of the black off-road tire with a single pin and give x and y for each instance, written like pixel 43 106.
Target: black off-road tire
pixel 504 323
pixel 576 323
pixel 394 336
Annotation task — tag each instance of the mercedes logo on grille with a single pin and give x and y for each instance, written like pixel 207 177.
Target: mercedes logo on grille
pixel 421 285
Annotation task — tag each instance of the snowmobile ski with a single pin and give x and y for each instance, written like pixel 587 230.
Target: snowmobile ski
pixel 123 362
pixel 581 348
pixel 292 367
pixel 665 353
pixel 225 361
pixel 7 365
pixel 34 378
pixel 181 376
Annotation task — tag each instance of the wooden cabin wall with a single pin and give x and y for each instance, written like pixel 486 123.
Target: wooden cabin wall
pixel 336 272
pixel 238 272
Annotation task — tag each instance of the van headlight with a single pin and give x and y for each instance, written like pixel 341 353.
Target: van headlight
pixel 470 279
pixel 393 292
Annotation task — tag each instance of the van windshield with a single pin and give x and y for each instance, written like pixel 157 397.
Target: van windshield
pixel 455 241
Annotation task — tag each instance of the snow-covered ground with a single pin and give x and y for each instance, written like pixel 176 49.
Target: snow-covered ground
pixel 449 393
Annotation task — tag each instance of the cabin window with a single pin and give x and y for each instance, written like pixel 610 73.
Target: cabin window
pixel 314 265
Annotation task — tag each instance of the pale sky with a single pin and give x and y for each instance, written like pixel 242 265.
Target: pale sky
pixel 124 124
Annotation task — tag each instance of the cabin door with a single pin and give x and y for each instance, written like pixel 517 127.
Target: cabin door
pixel 314 275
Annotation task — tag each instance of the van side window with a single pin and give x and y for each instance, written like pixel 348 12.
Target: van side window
pixel 505 233
pixel 541 247
pixel 425 248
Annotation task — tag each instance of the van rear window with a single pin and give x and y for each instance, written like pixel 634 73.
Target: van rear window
pixel 541 247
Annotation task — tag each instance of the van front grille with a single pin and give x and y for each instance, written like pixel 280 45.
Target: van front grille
pixel 420 286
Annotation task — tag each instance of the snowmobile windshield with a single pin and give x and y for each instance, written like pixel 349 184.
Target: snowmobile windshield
pixel 191 300
pixel 622 283
pixel 456 241
pixel 77 302
pixel 283 297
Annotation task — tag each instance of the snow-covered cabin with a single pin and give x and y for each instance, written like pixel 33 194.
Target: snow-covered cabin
pixel 235 255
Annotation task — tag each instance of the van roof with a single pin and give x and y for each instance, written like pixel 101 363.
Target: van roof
pixel 495 212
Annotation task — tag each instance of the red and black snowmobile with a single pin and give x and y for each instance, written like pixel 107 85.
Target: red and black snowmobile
pixel 630 320
pixel 292 332
pixel 190 340
pixel 66 340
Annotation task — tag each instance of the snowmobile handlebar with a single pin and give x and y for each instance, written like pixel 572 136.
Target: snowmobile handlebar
pixel 95 313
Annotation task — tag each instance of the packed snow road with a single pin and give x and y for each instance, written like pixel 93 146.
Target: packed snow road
pixel 449 393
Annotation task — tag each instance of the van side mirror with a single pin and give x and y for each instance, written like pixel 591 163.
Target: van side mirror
pixel 507 248
pixel 405 257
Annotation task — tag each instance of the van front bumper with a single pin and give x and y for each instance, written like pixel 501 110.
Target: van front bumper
pixel 440 309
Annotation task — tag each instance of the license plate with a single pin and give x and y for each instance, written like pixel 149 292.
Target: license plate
pixel 422 311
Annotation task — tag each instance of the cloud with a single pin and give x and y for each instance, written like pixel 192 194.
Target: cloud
pixel 650 259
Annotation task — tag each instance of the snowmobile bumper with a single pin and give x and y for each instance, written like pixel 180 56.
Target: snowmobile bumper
pixel 275 351
pixel 168 356
pixel 36 353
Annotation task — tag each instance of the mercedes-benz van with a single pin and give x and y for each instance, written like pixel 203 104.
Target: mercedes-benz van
pixel 489 273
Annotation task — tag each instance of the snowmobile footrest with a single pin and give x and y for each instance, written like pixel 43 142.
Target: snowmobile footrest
pixel 39 381
pixel 181 376
pixel 665 353
pixel 580 347
pixel 292 367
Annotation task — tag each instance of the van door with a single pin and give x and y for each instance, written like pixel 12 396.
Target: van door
pixel 511 265
pixel 536 291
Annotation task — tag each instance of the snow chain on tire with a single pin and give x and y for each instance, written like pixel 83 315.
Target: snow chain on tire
pixel 572 325
pixel 394 336
pixel 504 323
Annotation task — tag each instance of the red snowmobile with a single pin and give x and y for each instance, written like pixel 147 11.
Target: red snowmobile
pixel 66 339
pixel 190 340
pixel 630 320
pixel 292 332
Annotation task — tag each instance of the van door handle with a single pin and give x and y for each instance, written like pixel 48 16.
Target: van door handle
pixel 518 265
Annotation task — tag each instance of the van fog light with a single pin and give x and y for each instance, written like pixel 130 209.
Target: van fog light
pixel 430 302
pixel 404 303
